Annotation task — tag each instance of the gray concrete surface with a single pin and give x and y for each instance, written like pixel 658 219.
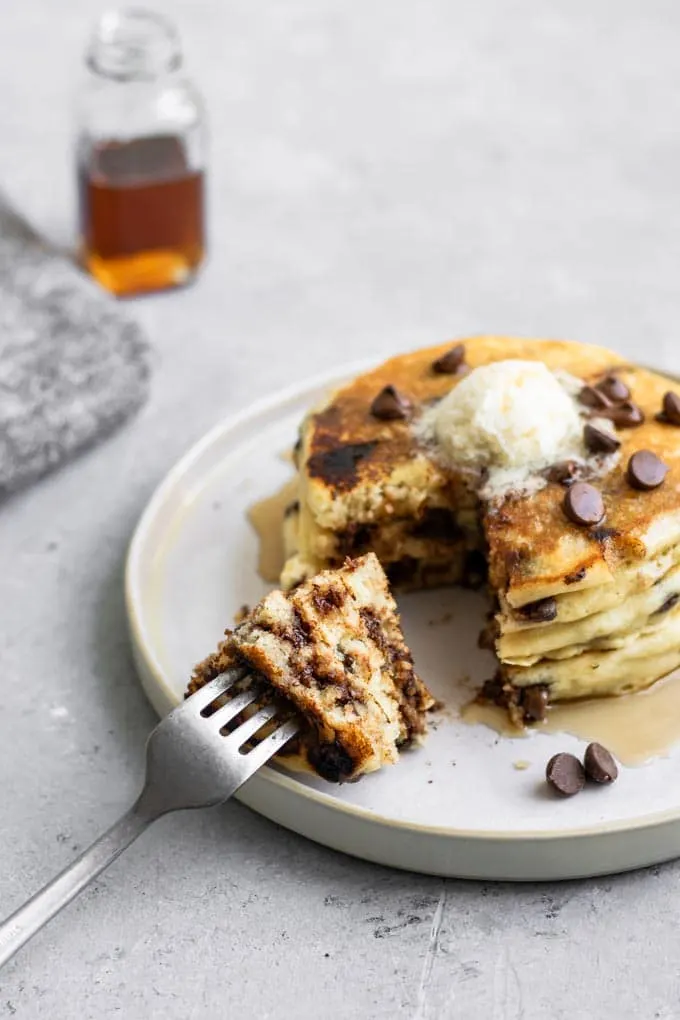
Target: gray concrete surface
pixel 384 175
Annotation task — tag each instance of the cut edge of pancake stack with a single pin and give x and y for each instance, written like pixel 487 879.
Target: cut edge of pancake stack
pixel 586 596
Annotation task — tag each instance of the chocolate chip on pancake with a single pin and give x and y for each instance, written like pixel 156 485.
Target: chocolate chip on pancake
pixel 599 764
pixel 583 504
pixel 646 470
pixel 541 611
pixel 565 774
pixel 535 703
pixel 439 524
pixel 668 604
pixel 591 396
pixel 670 412
pixel 450 363
pixel 625 416
pixel 390 405
pixel 565 472
pixel 599 441
pixel 614 388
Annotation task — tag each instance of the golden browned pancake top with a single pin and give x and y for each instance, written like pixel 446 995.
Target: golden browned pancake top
pixel 534 551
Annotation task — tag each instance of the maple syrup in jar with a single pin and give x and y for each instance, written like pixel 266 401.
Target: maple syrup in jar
pixel 141 150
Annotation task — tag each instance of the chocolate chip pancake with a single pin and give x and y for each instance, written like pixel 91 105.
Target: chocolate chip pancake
pixel 582 553
pixel 333 650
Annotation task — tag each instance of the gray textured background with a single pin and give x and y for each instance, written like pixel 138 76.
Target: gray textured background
pixel 384 175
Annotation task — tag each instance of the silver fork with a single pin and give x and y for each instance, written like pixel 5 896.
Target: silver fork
pixel 191 762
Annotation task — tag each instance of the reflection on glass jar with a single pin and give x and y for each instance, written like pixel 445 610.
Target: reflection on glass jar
pixel 141 152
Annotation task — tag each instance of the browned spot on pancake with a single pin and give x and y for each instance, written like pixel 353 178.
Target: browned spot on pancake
pixel 338 467
pixel 574 578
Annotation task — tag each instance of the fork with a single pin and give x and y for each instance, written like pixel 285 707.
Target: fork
pixel 193 760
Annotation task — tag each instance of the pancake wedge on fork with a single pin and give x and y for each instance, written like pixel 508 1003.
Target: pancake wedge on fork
pixel 333 650
pixel 581 607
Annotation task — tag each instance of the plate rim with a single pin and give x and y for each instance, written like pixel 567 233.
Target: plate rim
pixel 142 647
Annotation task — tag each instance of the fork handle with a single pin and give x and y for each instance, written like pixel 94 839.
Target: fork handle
pixel 36 912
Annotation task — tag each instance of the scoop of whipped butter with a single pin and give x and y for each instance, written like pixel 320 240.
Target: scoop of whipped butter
pixel 513 418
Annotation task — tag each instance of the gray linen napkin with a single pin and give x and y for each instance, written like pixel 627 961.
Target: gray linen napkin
pixel 73 366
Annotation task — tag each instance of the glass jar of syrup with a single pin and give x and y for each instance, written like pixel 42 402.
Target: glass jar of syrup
pixel 141 154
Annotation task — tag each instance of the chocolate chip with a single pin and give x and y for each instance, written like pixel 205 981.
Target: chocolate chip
pixel 591 396
pixel 645 470
pixel 577 576
pixel 292 508
pixel 541 611
pixel 624 416
pixel 439 524
pixel 599 441
pixel 671 408
pixel 499 693
pixel 331 761
pixel 614 388
pixel 535 703
pixel 451 362
pixel 671 601
pixel 583 504
pixel 475 570
pixel 565 774
pixel 402 571
pixel 599 764
pixel 390 405
pixel 564 472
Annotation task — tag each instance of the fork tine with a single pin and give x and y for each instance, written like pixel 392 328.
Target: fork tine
pixel 272 744
pixel 250 726
pixel 220 685
pixel 233 707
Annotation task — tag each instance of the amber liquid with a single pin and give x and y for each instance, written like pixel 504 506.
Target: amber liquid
pixel 141 215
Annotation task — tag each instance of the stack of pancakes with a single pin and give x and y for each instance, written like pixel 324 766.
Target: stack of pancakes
pixel 580 609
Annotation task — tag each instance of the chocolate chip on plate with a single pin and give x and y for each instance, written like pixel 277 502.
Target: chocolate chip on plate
pixel 599 441
pixel 565 774
pixel 583 504
pixel 670 409
pixel 390 405
pixel 450 363
pixel 599 764
pixel 591 396
pixel 625 416
pixel 646 470
pixel 541 611
pixel 614 388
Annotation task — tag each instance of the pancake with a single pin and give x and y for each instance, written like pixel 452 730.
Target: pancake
pixel 570 601
pixel 333 650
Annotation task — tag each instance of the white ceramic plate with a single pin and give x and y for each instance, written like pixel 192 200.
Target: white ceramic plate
pixel 455 807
